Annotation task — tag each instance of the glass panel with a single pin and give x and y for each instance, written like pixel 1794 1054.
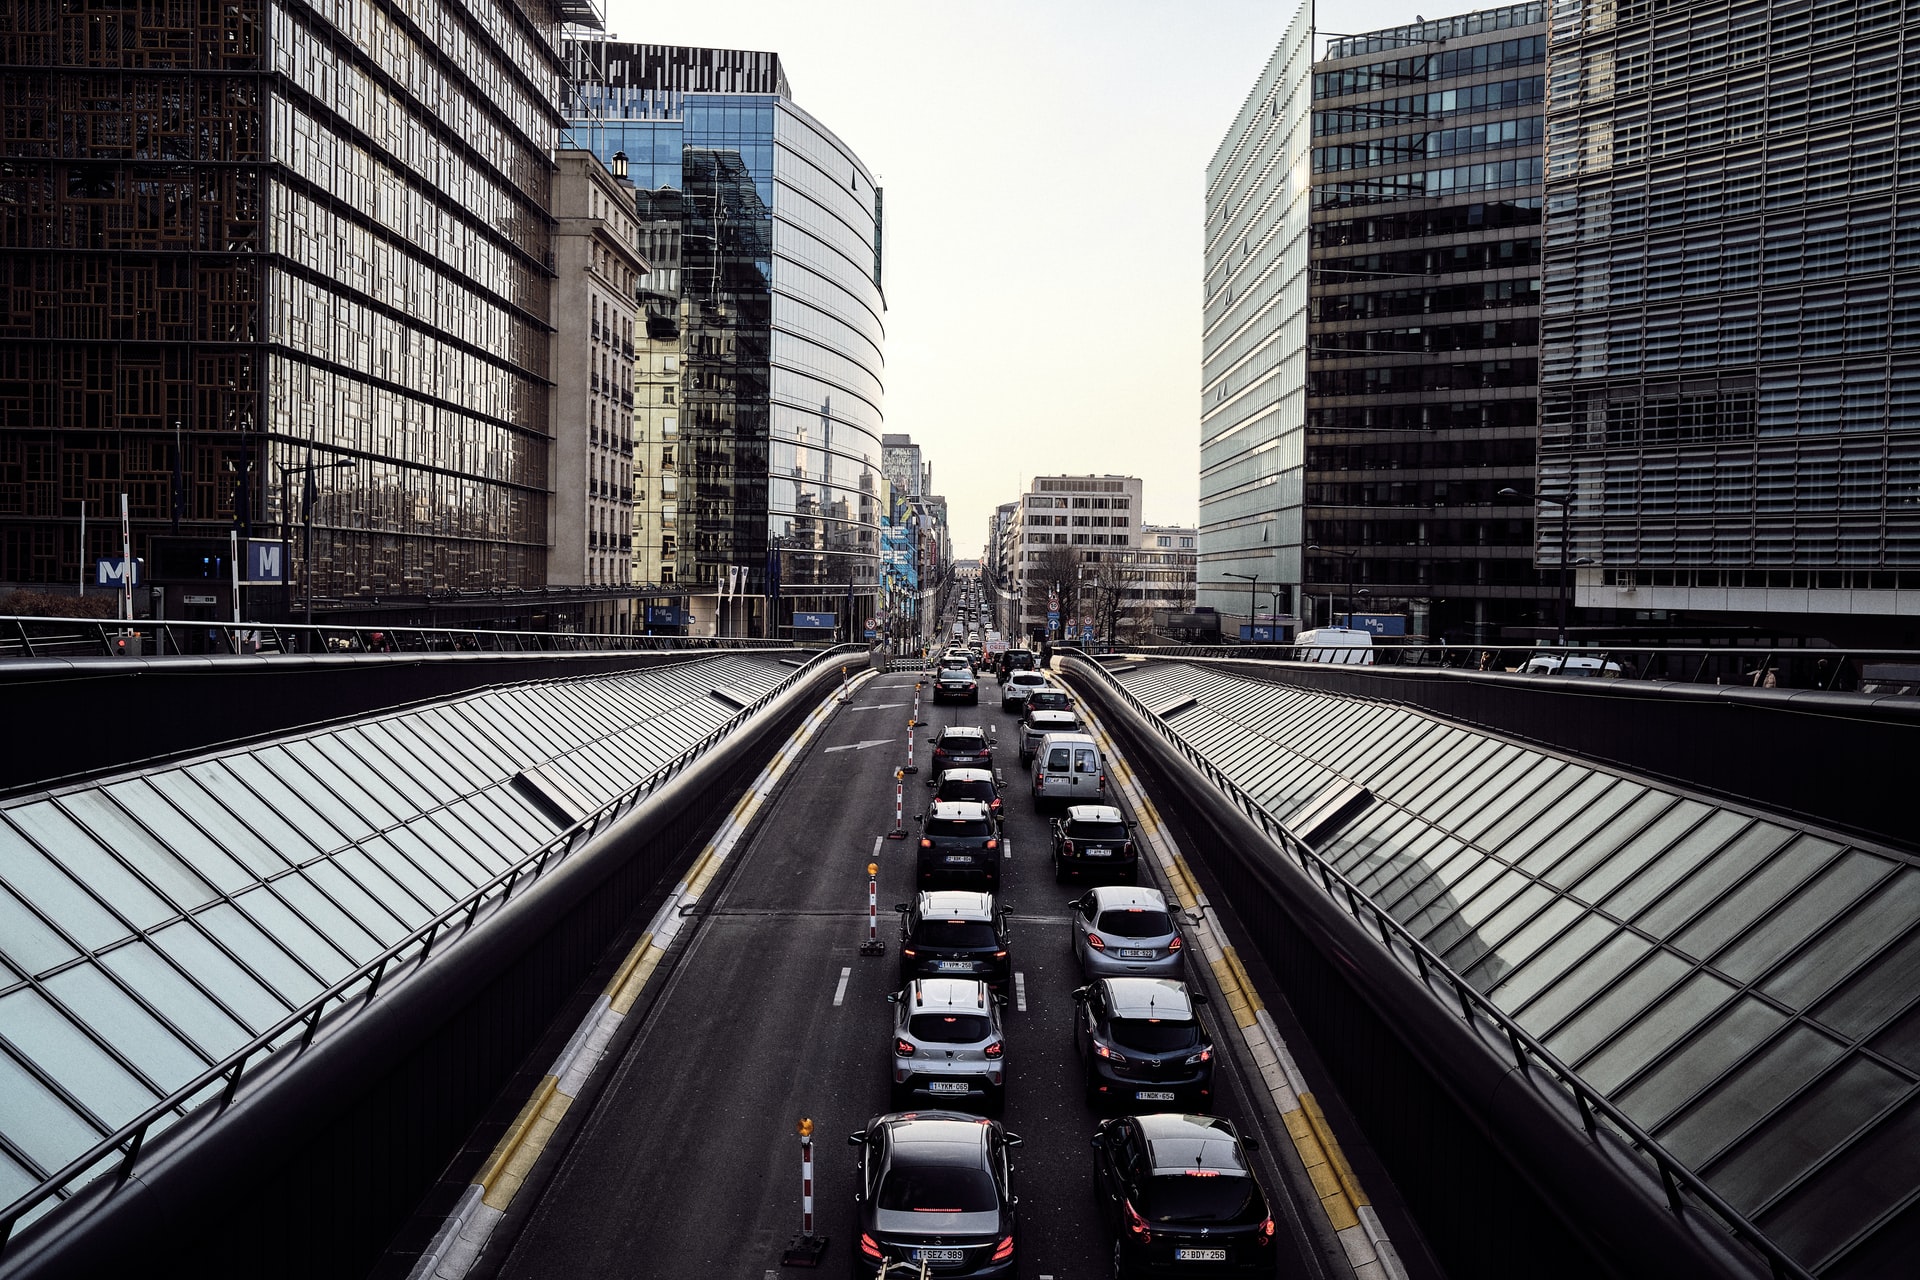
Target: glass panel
pixel 1652 1033
pixel 1546 787
pixel 37 879
pixel 475 834
pixel 538 828
pixel 1797 863
pixel 213 863
pixel 1459 882
pixel 1492 916
pixel 479 755
pixel 421 743
pixel 1402 862
pixel 1616 955
pixel 506 744
pixel 1875 994
pixel 113 828
pixel 436 845
pixel 259 951
pixel 429 878
pixel 1730 866
pixel 1671 1084
pixel 1877 1172
pixel 268 825
pixel 347 807
pixel 71 846
pixel 1641 851
pixel 118 1018
pixel 1435 754
pixel 276 780
pixel 35 1119
pixel 1487 787
pixel 1617 1005
pixel 1589 854
pixel 1805 914
pixel 1491 969
pixel 196 954
pixel 1901 1041
pixel 279 915
pixel 247 846
pixel 359 913
pixel 352 781
pixel 26 939
pixel 184 1005
pixel 1804 977
pixel 1804 1131
pixel 410 771
pixel 1747 1094
pixel 1465 767
pixel 394 898
pixel 1401 894
pixel 83 1068
pixel 15 1181
pixel 1354 845
pixel 1572 805
pixel 354 753
pixel 1582 813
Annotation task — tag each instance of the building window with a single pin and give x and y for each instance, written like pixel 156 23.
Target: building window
pixel 1163 541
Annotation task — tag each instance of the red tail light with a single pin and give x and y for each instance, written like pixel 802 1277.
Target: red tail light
pixel 909 952
pixel 1095 941
pixel 999 955
pixel 993 844
pixel 1066 846
pixel 903 1047
pixel 1266 1230
pixel 1103 782
pixel 1135 1223
pixel 868 1247
pixel 925 843
pixel 996 802
pixel 994 1050
pixel 1003 1250
pixel 1176 944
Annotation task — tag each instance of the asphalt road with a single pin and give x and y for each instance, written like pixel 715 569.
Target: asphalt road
pixel 689 1165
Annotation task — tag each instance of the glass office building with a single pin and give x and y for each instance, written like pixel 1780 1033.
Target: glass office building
pixel 782 335
pixel 1423 325
pixel 1731 338
pixel 251 240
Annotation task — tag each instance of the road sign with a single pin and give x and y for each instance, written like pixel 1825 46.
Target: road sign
pixel 110 573
pixel 266 562
pixel 816 621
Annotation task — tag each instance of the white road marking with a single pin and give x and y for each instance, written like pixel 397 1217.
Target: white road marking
pixel 1020 992
pixel 878 706
pixel 877 842
pixel 857 746
pixel 840 992
pixel 1006 849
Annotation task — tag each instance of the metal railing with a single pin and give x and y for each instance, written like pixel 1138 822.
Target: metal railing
pixel 37 637
pixel 364 983
pixel 1676 1179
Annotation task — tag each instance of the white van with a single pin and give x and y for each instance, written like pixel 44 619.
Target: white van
pixel 1334 644
pixel 1067 770
pixel 1551 664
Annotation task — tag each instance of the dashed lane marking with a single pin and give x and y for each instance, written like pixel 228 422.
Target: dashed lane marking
pixel 840 992
pixel 1020 992
pixel 1006 849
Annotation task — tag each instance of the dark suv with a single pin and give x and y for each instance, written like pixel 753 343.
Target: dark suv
pixel 1094 840
pixel 1179 1194
pixel 1143 1045
pixel 1014 660
pixel 959 846
pixel 933 1188
pixel 968 784
pixel 953 933
pixel 961 746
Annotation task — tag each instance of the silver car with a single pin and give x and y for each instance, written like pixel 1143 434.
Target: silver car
pixel 949 1048
pixel 1125 931
pixel 1015 688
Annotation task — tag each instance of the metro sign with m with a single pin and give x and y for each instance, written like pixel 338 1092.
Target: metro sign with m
pixel 266 562
pixel 113 572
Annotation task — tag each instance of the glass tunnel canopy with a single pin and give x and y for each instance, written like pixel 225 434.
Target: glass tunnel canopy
pixel 153 923
pixel 1746 989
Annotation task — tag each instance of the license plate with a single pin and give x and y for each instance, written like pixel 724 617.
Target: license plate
pixel 1154 1095
pixel 946 1086
pixel 1136 953
pixel 960 1255
pixel 959 857
pixel 1099 853
pixel 954 966
pixel 1200 1255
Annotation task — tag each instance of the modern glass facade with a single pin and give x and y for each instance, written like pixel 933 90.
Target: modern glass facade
pixel 781 316
pixel 1731 338
pixel 1423 323
pixel 1254 335
pixel 280 236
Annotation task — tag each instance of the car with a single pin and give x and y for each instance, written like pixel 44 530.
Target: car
pixel 953 933
pixel 1181 1198
pixel 949 1048
pixel 961 746
pixel 1142 1045
pixel 1046 710
pixel 968 784
pixel 934 1187
pixel 956 684
pixel 1016 685
pixel 1016 660
pixel 1124 930
pixel 1094 840
pixel 959 845
pixel 1067 769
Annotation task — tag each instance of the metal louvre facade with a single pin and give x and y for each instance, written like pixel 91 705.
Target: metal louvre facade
pixel 154 924
pixel 1741 988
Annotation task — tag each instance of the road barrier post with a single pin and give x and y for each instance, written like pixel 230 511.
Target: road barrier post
pixel 843 682
pixel 899 831
pixel 873 946
pixel 911 726
pixel 807 1248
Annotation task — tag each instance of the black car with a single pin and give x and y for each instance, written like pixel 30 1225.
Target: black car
pixel 1015 660
pixel 961 746
pixel 1094 840
pixel 933 1187
pixel 1142 1044
pixel 968 784
pixel 959 845
pixel 953 933
pixel 1181 1198
pixel 956 685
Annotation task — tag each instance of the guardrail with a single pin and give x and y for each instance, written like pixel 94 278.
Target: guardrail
pixel 364 983
pixel 38 637
pixel 1529 1055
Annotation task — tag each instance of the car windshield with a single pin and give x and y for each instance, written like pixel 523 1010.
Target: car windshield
pixel 1097 831
pixel 937 1188
pixel 1201 1196
pixel 949 1028
pixel 1048 700
pixel 1155 1035
pixel 957 933
pixel 959 827
pixel 1135 922
pixel 981 790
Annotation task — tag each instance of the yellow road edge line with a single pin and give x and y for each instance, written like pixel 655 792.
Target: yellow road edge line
pixel 516 1133
pixel 627 966
pixel 1321 1170
pixel 621 999
pixel 1240 975
pixel 519 1162
pixel 1335 1156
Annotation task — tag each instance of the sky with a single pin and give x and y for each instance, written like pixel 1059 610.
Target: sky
pixel 1044 164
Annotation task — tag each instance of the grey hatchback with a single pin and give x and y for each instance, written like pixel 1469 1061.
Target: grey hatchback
pixel 1125 931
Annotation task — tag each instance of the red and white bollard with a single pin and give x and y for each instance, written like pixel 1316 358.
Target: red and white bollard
pixel 911 726
pixel 807 1248
pixel 899 831
pixel 873 946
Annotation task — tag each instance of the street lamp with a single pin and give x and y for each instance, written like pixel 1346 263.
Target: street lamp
pixel 1253 606
pixel 1351 557
pixel 1566 520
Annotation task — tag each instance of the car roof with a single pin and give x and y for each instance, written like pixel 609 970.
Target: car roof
pixel 1161 998
pixel 1093 813
pixel 962 731
pixel 1177 1143
pixel 938 1137
pixel 947 994
pixel 1028 677
pixel 958 810
pixel 966 775
pixel 1108 896
pixel 957 673
pixel 957 904
pixel 1070 738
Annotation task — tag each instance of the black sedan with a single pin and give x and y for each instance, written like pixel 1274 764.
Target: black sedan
pixel 961 746
pixel 934 1188
pixel 1181 1198
pixel 956 685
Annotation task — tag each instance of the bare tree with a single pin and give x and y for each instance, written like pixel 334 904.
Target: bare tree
pixel 1111 587
pixel 1053 577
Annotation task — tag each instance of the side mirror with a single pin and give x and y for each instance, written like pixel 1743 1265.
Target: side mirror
pixel 1006 911
pixel 893 997
pixel 1079 995
pixel 1014 1139
pixel 1000 1000
pixel 902 907
pixel 1250 1143
pixel 1073 904
pixel 1199 997
pixel 856 1139
pixel 1094 1142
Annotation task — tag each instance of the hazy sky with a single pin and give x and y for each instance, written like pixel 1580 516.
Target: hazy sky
pixel 1044 163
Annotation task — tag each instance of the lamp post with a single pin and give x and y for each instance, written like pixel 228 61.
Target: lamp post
pixel 1253 606
pixel 1566 524
pixel 1351 557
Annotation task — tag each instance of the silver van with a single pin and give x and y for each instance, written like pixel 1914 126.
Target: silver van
pixel 1067 770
